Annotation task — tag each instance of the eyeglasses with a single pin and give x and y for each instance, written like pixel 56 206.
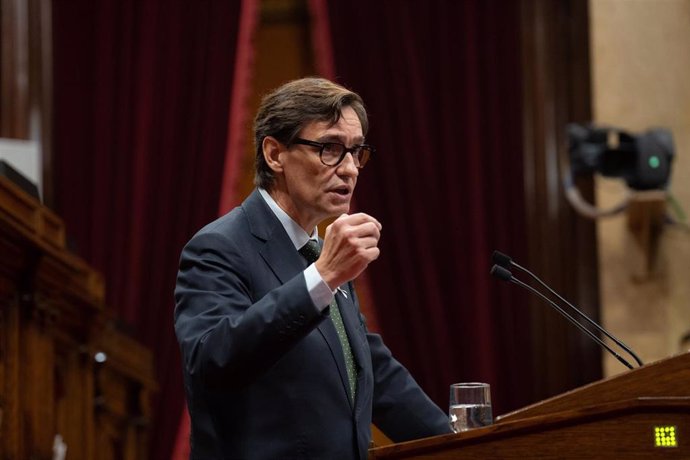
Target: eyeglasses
pixel 333 153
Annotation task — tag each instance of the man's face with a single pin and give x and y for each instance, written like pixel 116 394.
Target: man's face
pixel 313 191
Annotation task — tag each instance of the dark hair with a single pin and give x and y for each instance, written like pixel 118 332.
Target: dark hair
pixel 287 109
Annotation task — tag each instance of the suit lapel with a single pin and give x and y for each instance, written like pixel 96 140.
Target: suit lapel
pixel 350 320
pixel 327 330
pixel 278 250
pixel 281 256
pixel 285 262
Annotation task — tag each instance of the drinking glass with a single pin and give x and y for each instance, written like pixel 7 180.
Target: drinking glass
pixel 470 406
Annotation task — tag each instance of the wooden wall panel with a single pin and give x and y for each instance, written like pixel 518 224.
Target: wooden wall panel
pixel 52 324
pixel 562 245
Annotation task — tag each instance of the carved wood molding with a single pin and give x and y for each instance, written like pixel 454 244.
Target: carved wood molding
pixel 31 228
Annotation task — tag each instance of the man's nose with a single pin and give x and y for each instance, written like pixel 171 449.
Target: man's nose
pixel 348 166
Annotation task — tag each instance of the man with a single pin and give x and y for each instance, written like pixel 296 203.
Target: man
pixel 278 363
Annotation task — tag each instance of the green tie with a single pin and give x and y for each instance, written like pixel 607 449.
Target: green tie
pixel 311 251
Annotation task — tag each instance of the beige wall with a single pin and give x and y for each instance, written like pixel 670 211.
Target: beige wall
pixel 640 53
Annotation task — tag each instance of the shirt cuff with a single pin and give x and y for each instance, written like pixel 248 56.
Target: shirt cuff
pixel 319 291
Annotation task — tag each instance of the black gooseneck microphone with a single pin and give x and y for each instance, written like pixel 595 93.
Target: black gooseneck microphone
pixel 501 271
pixel 505 275
pixel 505 261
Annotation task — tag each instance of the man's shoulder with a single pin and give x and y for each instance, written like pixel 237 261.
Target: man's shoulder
pixel 252 217
pixel 227 224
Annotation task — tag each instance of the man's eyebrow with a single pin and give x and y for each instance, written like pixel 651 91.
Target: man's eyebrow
pixel 339 138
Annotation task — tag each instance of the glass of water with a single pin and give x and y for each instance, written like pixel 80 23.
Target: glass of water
pixel 470 406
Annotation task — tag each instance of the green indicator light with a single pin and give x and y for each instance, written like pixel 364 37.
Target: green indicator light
pixel 654 162
pixel 665 436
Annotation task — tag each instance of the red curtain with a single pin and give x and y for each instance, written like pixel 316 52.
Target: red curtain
pixel 142 94
pixel 441 80
pixel 241 87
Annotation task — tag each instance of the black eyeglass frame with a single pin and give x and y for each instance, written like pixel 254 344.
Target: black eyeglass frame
pixel 355 149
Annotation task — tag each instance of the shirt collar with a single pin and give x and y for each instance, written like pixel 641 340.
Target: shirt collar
pixel 296 233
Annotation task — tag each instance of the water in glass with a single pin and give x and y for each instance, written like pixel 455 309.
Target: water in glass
pixel 466 416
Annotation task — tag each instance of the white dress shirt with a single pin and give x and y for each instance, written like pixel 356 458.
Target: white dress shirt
pixel 319 291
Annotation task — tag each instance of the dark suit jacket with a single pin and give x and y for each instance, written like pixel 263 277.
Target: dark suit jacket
pixel 264 372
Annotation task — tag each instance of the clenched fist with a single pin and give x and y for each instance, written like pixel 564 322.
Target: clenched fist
pixel 350 244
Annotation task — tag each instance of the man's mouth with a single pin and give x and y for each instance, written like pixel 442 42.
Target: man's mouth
pixel 341 191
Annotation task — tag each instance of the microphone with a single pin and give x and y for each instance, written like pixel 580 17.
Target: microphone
pixel 506 261
pixel 504 274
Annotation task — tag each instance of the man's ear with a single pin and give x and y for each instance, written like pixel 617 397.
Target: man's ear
pixel 272 150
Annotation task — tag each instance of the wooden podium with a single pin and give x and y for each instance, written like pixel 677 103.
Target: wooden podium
pixel 642 413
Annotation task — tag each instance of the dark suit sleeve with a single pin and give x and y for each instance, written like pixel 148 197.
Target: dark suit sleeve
pixel 228 336
pixel 401 409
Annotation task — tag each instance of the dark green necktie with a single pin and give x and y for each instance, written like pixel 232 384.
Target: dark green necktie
pixel 311 251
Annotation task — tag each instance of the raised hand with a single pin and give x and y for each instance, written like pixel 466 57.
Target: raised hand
pixel 350 245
